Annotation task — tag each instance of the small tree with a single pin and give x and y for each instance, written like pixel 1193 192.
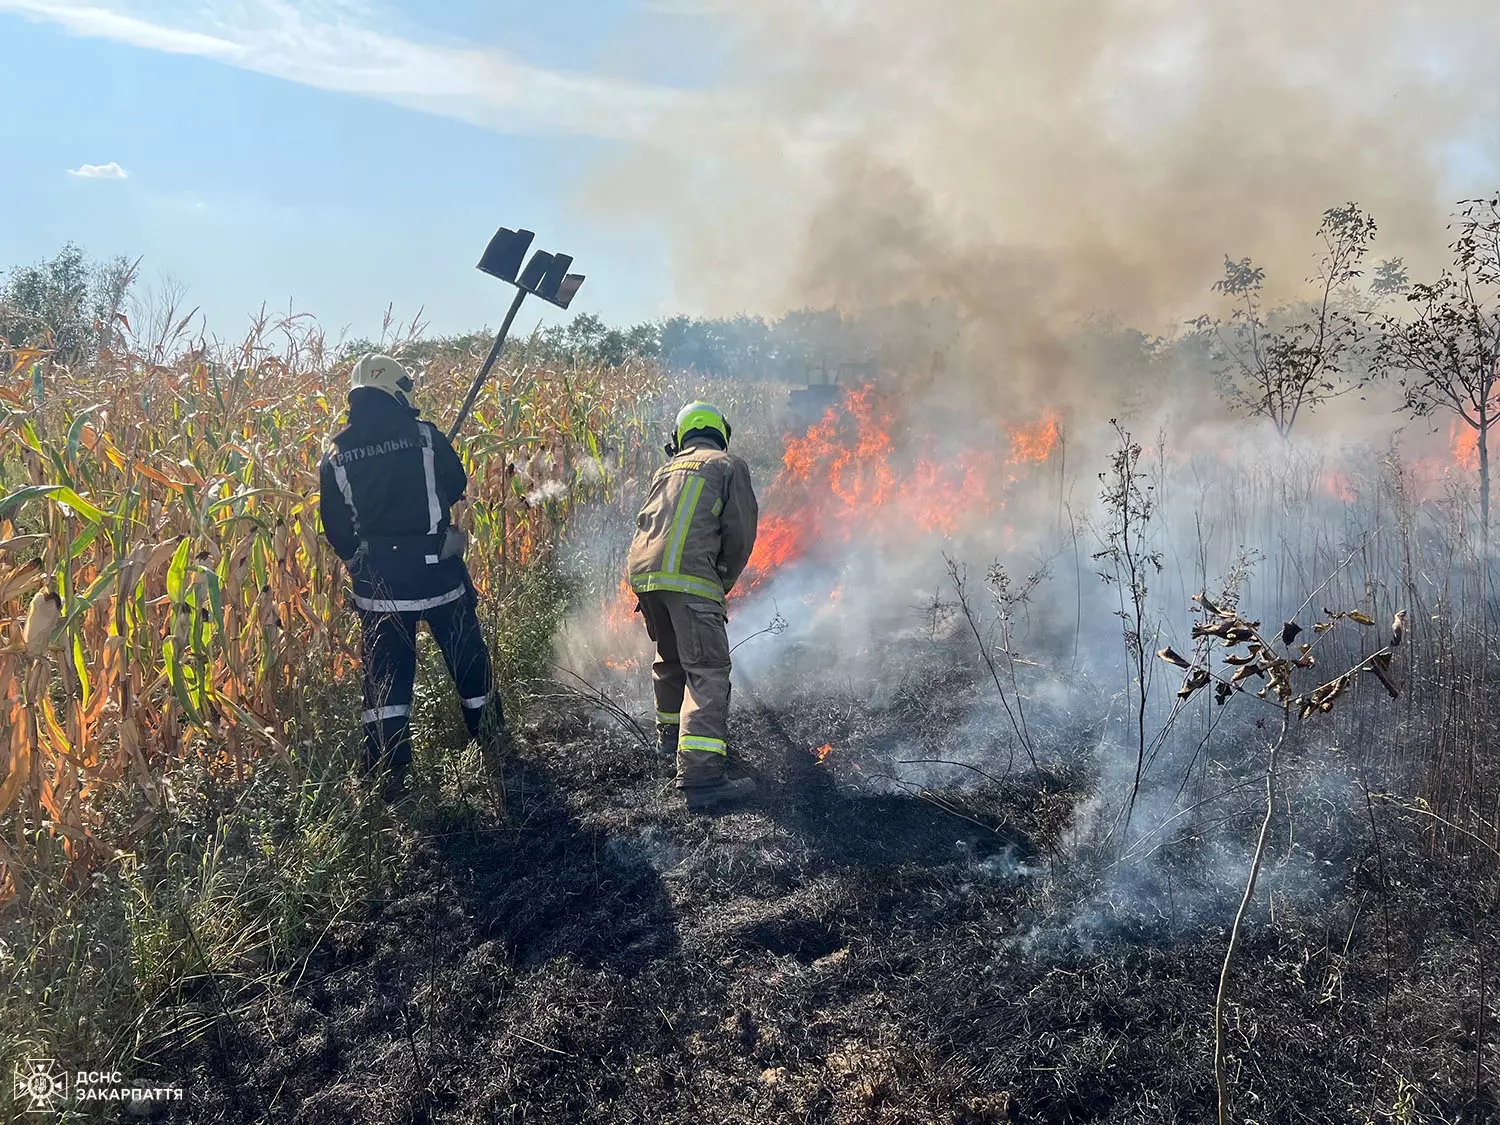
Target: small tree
pixel 1446 354
pixel 69 304
pixel 1130 503
pixel 1277 372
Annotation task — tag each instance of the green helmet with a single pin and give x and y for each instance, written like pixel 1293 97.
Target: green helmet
pixel 701 416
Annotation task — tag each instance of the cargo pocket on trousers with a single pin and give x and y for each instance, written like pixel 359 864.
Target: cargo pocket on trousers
pixel 710 635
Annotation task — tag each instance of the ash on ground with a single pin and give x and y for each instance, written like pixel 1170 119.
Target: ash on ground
pixel 913 922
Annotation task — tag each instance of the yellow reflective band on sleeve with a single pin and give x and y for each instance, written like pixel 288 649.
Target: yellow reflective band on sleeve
pixel 700 742
pixel 669 718
pixel 676 584
pixel 687 504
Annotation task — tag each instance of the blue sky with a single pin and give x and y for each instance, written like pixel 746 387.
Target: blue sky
pixel 337 155
pixel 721 155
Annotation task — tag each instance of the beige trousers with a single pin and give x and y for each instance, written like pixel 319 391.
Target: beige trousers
pixel 690 679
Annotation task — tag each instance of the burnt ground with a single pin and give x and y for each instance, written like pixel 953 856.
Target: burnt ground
pixel 846 950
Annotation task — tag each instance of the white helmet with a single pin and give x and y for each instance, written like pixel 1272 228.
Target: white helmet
pixel 383 374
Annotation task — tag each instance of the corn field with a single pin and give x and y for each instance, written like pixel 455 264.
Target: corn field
pixel 165 592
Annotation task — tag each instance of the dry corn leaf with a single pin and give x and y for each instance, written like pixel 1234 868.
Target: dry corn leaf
pixel 1380 665
pixel 20 757
pixel 19 579
pixel 41 620
pixel 17 543
pixel 1192 682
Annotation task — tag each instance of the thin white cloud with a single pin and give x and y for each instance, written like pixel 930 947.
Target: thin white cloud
pixel 105 23
pixel 332 45
pixel 110 171
pixel 684 7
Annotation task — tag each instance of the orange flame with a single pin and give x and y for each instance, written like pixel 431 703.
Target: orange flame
pixel 1340 487
pixel 1033 443
pixel 843 476
pixel 823 751
pixel 1463 440
pixel 621 610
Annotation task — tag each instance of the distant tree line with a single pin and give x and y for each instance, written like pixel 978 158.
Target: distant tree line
pixel 1277 362
pixel 790 348
pixel 73 306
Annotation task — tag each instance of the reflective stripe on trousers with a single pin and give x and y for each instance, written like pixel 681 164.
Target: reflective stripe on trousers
pixel 389 644
pixel 690 677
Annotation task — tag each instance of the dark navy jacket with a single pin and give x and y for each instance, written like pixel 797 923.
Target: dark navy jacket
pixel 387 482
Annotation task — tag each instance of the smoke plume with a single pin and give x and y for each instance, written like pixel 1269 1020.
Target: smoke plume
pixel 1037 164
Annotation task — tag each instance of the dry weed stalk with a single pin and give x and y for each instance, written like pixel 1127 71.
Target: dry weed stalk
pixel 959 578
pixel 1130 501
pixel 1261 659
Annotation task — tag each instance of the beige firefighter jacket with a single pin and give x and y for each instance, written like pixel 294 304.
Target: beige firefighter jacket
pixel 696 531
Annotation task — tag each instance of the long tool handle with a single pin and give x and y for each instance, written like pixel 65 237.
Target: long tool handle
pixel 484 372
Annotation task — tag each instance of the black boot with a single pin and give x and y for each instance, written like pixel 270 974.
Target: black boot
pixel 701 798
pixel 666 740
pixel 703 783
pixel 397 783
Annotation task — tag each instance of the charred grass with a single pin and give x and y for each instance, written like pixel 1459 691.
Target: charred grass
pixel 862 944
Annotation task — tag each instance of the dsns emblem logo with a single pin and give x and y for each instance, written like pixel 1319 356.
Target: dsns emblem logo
pixel 41 1085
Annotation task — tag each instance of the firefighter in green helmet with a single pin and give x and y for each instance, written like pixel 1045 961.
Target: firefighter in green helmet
pixel 693 538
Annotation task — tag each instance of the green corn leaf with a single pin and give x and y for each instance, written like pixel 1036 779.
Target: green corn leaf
pixel 201 634
pixel 259 563
pixel 84 602
pixel 58 493
pixel 177 572
pixel 81 665
pixel 177 677
pixel 215 592
pixel 75 432
pixel 241 497
pixel 82 541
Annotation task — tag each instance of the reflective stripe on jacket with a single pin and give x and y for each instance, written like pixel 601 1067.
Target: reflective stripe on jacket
pixel 387 483
pixel 696 530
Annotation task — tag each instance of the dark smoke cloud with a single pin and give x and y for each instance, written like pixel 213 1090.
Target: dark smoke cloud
pixel 1036 164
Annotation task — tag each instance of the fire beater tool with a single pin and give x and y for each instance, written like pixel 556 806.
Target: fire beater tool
pixel 545 275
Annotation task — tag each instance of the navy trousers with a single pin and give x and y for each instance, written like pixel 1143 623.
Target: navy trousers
pixel 389 644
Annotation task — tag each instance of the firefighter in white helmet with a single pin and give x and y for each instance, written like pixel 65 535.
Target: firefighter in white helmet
pixel 694 536
pixel 388 481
